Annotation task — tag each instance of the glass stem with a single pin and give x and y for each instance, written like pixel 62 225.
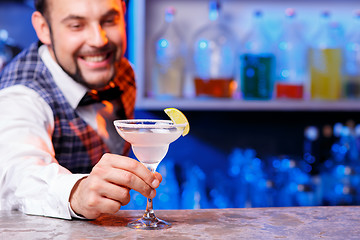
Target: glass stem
pixel 149 212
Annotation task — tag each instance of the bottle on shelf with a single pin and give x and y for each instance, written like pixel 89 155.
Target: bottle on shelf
pixel 169 66
pixel 257 62
pixel 214 57
pixel 291 55
pixel 326 61
pixel 352 60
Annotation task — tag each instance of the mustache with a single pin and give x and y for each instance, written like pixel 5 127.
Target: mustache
pixel 97 51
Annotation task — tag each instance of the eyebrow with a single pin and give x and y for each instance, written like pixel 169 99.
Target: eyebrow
pixel 71 17
pixel 111 12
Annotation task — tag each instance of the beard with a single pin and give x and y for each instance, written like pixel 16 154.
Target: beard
pixel 77 76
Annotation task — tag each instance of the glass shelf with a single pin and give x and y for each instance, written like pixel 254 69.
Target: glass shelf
pixel 242 105
pixel 144 22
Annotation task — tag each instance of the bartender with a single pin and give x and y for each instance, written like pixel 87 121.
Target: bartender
pixel 58 99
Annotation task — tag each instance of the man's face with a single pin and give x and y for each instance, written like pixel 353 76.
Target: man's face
pixel 87 38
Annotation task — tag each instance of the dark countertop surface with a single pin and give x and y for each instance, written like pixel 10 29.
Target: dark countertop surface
pixel 242 223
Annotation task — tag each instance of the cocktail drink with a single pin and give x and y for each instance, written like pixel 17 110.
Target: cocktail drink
pixel 150 141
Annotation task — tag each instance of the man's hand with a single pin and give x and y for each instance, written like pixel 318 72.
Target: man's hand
pixel 107 187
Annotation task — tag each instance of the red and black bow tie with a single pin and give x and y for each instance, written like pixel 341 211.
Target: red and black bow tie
pixel 97 96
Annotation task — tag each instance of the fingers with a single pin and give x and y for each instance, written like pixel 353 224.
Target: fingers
pixel 98 205
pixel 135 167
pixel 158 176
pixel 107 187
pixel 120 177
pixel 116 193
pixel 129 173
pixel 87 200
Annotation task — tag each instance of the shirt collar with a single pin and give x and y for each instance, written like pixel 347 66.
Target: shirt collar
pixel 72 90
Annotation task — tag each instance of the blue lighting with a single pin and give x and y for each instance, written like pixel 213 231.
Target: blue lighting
pixel 335 147
pixel 249 45
pixel 276 163
pixel 339 189
pixel 235 170
pixel 249 177
pixel 283 45
pixel 340 170
pixel 328 163
pixel 138 199
pixel 163 43
pixel 285 73
pixel 250 72
pixel 343 149
pixel 213 15
pixel 262 183
pixel 285 163
pixel 352 46
pixel 164 197
pixel 307 168
pixel 214 10
pixel 293 187
pixel 203 44
pixel 309 158
pixel 257 162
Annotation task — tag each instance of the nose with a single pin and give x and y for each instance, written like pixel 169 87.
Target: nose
pixel 97 37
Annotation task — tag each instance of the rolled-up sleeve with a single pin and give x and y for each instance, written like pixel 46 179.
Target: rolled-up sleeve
pixel 31 180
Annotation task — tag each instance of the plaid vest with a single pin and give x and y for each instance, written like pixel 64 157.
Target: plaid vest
pixel 78 147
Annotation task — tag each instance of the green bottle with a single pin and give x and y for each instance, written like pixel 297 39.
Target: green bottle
pixel 257 63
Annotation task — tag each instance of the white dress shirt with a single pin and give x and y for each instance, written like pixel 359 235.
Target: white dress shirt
pixel 31 180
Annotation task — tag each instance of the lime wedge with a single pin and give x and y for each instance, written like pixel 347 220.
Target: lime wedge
pixel 178 118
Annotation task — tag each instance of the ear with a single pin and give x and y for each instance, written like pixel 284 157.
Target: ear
pixel 41 28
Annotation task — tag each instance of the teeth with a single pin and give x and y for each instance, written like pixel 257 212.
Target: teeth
pixel 98 58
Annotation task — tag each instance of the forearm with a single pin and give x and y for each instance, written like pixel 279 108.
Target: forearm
pixel 31 180
pixel 34 187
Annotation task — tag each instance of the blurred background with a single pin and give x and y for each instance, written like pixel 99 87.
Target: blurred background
pixel 271 91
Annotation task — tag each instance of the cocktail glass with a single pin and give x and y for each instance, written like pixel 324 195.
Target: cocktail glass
pixel 150 141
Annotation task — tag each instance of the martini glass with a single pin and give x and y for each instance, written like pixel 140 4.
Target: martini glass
pixel 150 141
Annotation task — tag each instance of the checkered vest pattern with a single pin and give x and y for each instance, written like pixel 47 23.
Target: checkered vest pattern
pixel 77 145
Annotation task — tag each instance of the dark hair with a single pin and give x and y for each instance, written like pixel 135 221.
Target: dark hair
pixel 41 6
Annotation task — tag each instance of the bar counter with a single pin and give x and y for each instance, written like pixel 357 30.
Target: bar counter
pixel 242 223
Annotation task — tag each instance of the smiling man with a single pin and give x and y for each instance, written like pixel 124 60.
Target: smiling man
pixel 60 153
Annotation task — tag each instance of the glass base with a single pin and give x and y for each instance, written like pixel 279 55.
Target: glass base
pixel 149 224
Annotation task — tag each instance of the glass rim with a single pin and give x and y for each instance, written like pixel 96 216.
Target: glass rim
pixel 147 123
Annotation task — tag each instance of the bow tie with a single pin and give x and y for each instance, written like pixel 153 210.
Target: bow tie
pixel 97 96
